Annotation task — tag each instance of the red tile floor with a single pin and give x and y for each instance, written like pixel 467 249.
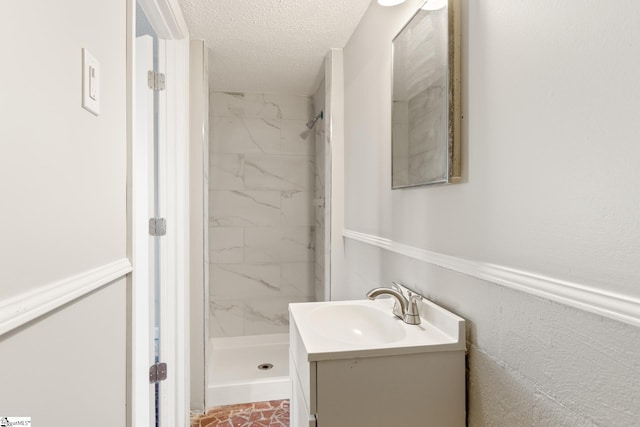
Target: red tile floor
pixel 274 413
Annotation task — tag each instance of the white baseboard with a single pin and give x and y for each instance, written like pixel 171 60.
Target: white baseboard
pixel 615 306
pixel 23 308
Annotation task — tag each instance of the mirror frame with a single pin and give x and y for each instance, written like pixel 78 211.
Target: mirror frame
pixel 454 110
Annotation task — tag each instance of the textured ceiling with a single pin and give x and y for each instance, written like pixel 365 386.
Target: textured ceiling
pixel 272 46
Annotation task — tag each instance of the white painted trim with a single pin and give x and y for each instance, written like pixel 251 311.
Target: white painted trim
pixel 623 308
pixel 198 211
pixel 174 298
pixel 141 294
pixel 165 18
pixel 334 79
pixel 179 199
pixel 23 308
pixel 167 21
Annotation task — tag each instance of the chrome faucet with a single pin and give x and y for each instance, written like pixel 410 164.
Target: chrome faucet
pixel 405 308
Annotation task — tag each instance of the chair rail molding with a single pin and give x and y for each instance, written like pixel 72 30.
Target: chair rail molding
pixel 23 308
pixel 623 308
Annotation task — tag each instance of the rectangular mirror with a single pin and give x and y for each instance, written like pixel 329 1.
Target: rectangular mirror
pixel 426 98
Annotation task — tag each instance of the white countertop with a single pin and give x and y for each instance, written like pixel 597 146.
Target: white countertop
pixel 440 330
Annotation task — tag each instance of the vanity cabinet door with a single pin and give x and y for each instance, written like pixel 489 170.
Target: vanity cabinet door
pixel 403 390
pixel 305 371
pixel 300 415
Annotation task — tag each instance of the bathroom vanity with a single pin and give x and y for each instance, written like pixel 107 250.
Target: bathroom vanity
pixel 353 363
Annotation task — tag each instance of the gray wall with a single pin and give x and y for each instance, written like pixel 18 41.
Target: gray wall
pixel 550 127
pixel 63 187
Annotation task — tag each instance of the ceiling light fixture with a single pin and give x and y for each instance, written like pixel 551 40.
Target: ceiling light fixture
pixel 390 2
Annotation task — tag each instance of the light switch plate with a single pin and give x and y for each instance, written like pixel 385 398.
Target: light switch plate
pixel 90 83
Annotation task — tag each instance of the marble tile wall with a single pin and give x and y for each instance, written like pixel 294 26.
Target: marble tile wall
pixel 261 211
pixel 320 199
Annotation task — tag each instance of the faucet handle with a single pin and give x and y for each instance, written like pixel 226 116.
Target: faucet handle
pixel 412 315
pixel 414 298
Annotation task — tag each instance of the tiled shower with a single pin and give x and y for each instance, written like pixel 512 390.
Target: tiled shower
pixel 266 210
pixel 262 211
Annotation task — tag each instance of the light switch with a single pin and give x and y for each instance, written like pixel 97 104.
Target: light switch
pixel 90 83
pixel 93 84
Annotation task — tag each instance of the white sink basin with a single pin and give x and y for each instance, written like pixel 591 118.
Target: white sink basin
pixel 356 324
pixel 363 328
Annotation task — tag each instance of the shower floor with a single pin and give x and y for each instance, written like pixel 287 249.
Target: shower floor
pixel 234 376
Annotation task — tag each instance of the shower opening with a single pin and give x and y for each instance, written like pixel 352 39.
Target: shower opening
pixel 267 234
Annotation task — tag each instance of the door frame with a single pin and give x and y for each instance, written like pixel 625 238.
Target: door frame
pixel 166 18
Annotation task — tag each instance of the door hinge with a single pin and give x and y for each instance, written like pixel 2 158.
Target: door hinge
pixel 155 81
pixel 157 373
pixel 157 226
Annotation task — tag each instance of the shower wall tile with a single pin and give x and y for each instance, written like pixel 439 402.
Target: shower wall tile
pixel 244 208
pixel 298 279
pixel 251 316
pixel 226 318
pixel 225 104
pixel 235 104
pixel 265 133
pixel 262 244
pixel 320 163
pixel 297 244
pixel 319 281
pixel 266 316
pixel 245 280
pixel 226 245
pixel 291 107
pixel 296 138
pixel 322 196
pixel 245 135
pixel 271 172
pixel 226 171
pixel 257 105
pixel 287 244
pixel 262 217
pixel 296 209
pixel 319 237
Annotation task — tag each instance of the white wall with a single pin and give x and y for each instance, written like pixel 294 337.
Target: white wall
pixel 551 106
pixel 63 187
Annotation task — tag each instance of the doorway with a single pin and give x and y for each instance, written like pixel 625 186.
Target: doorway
pixel 158 70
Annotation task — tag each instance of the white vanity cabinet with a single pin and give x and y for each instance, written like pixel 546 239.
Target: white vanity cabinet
pixel 413 381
